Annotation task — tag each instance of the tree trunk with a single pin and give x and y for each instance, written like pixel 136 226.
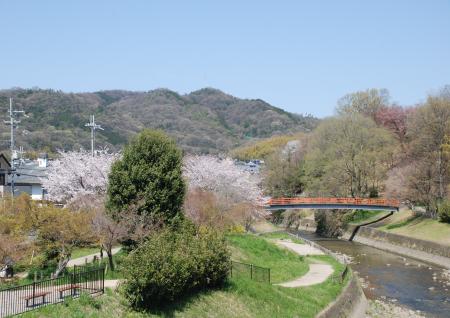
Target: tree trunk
pixel 62 264
pixel 110 258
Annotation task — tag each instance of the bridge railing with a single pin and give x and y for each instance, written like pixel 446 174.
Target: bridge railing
pixel 343 201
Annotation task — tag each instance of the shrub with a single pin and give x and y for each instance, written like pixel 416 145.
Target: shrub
pixel 172 262
pixel 444 211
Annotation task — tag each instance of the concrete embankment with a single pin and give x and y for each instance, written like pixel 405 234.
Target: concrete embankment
pixel 351 303
pixel 426 251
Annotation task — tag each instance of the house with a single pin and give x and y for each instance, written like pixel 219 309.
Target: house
pixel 27 176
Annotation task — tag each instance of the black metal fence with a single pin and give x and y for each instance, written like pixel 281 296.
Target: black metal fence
pixel 19 299
pixel 257 273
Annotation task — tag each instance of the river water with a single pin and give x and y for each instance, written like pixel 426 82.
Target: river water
pixel 390 277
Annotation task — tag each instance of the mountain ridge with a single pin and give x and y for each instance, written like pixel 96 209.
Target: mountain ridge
pixel 207 120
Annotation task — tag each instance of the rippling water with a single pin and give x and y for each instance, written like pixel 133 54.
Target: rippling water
pixel 389 276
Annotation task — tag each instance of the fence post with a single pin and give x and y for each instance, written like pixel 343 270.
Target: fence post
pixel 251 271
pixel 34 290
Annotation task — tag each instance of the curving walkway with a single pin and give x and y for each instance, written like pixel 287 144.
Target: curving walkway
pixel 82 260
pixel 318 273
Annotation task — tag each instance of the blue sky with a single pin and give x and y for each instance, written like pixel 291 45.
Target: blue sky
pixel 298 55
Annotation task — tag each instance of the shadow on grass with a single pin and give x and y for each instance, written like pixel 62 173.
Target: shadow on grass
pixel 415 219
pixel 169 309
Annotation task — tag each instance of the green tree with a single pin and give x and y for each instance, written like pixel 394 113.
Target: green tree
pixel 148 179
pixel 348 156
pixel 367 103
pixel 429 132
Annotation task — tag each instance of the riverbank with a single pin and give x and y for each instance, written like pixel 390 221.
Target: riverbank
pixel 407 234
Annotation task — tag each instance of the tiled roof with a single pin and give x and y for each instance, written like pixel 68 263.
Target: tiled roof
pixel 28 172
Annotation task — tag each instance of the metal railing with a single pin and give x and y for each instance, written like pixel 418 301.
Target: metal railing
pixel 19 299
pixel 256 273
pixel 344 201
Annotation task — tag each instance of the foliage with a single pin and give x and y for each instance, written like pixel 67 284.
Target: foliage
pixel 444 211
pixel 330 223
pixel 148 179
pixel 345 157
pixel 221 194
pixel 284 172
pixel 262 149
pixel 222 177
pixel 395 118
pixel 78 173
pixel 429 130
pixel 368 103
pixel 206 121
pixel 172 262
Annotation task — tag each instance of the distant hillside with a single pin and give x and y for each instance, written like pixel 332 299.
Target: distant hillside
pixel 206 120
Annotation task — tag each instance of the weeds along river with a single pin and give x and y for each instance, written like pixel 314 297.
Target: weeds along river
pixel 390 277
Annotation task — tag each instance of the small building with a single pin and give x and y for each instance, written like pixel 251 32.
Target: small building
pixel 27 177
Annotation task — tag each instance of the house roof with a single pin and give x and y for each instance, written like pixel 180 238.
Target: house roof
pixel 28 172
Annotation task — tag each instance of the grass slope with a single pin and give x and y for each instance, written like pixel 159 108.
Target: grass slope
pixel 241 297
pixel 407 224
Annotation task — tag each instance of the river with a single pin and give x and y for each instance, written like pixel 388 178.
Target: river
pixel 390 277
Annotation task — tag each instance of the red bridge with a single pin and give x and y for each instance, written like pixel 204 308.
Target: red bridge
pixel 332 203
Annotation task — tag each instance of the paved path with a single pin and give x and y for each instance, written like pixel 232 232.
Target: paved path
pixel 318 273
pixel 82 260
pixel 301 249
pixel 113 283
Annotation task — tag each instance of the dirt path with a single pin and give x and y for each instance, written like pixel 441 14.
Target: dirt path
pixel 318 273
pixel 82 260
pixel 301 249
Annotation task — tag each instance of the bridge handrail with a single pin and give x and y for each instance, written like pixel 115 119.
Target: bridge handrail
pixel 322 200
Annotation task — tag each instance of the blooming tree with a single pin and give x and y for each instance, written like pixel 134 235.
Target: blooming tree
pixel 77 173
pixel 222 177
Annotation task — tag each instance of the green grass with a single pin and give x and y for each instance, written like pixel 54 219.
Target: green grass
pixel 362 216
pixel 284 265
pixel 282 236
pixel 241 297
pixel 408 224
pixel 85 251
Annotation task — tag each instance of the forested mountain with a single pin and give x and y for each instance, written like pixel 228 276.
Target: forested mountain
pixel 206 120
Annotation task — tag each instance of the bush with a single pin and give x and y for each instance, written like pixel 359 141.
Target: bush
pixel 172 262
pixel 444 211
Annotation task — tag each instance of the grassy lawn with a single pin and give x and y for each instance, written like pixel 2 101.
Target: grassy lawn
pixel 282 236
pixel 84 251
pixel 240 297
pixel 406 223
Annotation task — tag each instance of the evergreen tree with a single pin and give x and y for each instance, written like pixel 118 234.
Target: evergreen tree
pixel 148 180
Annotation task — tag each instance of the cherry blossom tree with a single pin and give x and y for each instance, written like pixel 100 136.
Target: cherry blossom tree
pixel 395 119
pixel 223 177
pixel 77 173
pixel 221 193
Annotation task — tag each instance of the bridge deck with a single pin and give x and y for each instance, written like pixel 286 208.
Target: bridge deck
pixel 333 203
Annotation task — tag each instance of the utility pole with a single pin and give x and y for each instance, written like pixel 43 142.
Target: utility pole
pixel 93 127
pixel 13 122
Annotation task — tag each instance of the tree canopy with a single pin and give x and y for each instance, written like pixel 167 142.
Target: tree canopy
pixel 148 179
